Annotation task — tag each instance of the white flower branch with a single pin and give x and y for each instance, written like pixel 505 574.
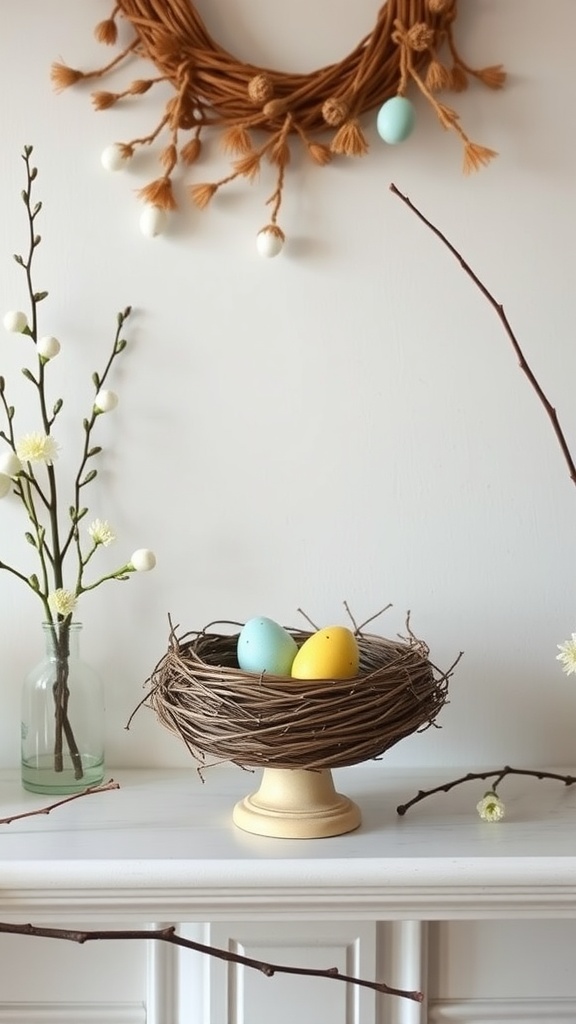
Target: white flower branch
pixel 498 774
pixel 27 468
pixel 76 511
pixel 41 448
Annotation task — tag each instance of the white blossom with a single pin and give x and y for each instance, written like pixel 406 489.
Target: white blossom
pixel 491 807
pixel 48 347
pixel 143 560
pixel 62 601
pixel 15 321
pixel 105 400
pixel 29 462
pixel 568 655
pixel 101 532
pixel 37 447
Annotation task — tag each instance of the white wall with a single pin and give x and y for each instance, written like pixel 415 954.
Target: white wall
pixel 346 422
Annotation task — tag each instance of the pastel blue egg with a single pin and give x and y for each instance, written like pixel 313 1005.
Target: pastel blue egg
pixel 396 119
pixel 265 646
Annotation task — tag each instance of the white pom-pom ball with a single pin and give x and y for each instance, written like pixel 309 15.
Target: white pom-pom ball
pixel 15 321
pixel 105 400
pixel 153 220
pixel 269 242
pixel 143 560
pixel 48 347
pixel 10 464
pixel 112 158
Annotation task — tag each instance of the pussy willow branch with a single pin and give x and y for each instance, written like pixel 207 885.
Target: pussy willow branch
pixel 169 935
pixel 77 513
pixel 497 774
pixel 52 551
pixel 36 297
pixel 498 307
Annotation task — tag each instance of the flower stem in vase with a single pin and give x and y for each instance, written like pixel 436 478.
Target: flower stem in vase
pixel 62 706
pixel 62 717
pixel 61 691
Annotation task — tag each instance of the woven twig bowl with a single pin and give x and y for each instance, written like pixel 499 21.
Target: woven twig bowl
pixel 226 714
pixel 296 730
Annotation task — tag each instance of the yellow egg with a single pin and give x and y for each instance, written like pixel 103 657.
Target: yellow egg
pixel 330 653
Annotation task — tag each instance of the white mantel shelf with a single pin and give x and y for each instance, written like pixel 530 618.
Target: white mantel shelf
pixel 163 847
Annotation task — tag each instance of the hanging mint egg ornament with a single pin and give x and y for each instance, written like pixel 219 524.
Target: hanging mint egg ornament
pixel 396 119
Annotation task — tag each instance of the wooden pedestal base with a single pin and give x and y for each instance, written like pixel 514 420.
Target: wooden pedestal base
pixel 296 804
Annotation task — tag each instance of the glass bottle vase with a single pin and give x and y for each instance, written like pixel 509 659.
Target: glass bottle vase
pixel 62 737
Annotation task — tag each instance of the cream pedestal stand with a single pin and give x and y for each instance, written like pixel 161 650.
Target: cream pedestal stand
pixel 296 803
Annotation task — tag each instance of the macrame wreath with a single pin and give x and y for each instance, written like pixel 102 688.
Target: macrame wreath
pixel 260 113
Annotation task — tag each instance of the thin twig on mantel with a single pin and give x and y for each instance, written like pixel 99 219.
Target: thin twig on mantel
pixel 497 774
pixel 169 935
pixel 65 800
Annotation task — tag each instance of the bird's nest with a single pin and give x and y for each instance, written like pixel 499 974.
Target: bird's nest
pixel 223 713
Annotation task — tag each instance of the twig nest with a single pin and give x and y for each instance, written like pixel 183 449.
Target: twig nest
pixel 113 158
pixel 153 221
pixel 256 719
pixel 270 241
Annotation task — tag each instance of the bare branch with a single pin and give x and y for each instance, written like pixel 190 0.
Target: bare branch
pixel 169 935
pixel 497 774
pixel 66 800
pixel 497 306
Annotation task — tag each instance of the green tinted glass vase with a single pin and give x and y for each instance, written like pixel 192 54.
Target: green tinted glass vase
pixel 62 717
